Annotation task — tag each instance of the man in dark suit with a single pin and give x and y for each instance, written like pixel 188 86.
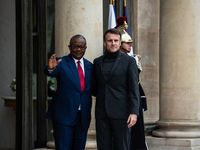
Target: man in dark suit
pixel 117 95
pixel 70 109
pixel 137 131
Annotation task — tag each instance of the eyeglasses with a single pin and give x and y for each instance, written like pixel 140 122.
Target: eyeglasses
pixel 77 47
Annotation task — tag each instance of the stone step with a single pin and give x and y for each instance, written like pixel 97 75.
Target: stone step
pixel 91 143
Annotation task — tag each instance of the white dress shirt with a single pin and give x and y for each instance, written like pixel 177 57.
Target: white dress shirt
pixel 81 63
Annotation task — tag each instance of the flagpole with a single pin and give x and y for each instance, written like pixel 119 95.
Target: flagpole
pixel 125 3
pixel 113 2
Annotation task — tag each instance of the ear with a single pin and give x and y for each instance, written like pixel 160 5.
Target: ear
pixel 69 47
pixel 104 43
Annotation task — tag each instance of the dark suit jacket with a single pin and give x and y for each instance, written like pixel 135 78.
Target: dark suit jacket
pixel 68 96
pixel 119 96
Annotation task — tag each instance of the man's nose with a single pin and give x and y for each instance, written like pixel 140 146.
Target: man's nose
pixel 78 49
pixel 113 42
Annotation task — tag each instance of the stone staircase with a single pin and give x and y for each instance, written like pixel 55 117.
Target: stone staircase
pixel 90 143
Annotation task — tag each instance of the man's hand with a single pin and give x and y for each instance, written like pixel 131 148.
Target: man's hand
pixel 132 119
pixel 52 62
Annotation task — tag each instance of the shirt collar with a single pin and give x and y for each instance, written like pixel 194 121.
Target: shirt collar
pixel 75 60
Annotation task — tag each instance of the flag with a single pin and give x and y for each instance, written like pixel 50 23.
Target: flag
pixel 111 17
pixel 125 14
pixel 127 30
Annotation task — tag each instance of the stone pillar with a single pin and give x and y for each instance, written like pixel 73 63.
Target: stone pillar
pixel 146 27
pixel 179 123
pixel 79 17
pixel 85 18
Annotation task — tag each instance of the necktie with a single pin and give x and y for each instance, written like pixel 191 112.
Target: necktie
pixel 81 76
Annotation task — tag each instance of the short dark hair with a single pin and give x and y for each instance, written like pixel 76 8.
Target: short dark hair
pixel 77 36
pixel 113 31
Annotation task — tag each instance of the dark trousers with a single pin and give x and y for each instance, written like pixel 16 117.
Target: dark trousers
pixel 70 137
pixel 112 134
pixel 138 134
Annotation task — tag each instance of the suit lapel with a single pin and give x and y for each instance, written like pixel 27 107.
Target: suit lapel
pixel 115 65
pixel 87 72
pixel 100 66
pixel 74 70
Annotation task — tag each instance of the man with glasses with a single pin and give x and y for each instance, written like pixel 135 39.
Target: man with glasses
pixel 70 109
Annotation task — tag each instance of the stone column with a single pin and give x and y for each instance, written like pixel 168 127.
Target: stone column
pixel 85 18
pixel 179 123
pixel 146 27
pixel 79 17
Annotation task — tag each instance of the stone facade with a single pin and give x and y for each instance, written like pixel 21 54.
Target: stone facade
pixel 166 35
